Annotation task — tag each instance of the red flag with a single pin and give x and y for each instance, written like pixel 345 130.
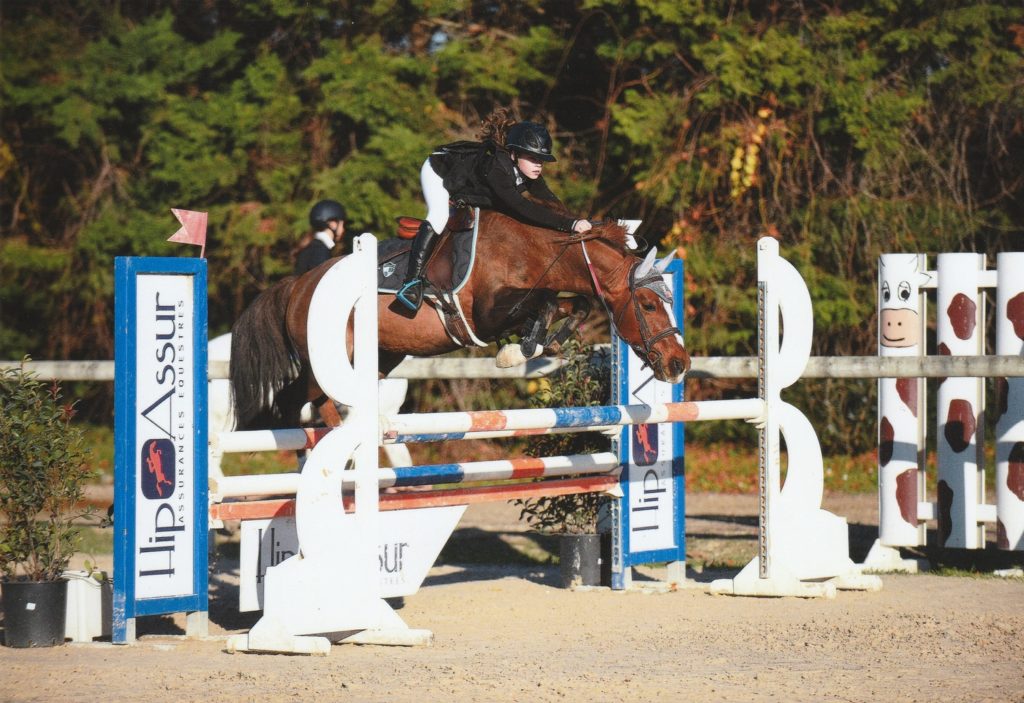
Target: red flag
pixel 193 229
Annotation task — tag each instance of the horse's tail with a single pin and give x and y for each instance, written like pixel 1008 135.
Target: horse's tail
pixel 263 360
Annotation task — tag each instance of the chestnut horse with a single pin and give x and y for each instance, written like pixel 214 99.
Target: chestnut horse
pixel 518 267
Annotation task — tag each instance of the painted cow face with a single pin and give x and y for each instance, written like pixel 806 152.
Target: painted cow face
pixel 900 280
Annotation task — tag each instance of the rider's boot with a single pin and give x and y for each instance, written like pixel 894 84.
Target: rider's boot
pixel 411 292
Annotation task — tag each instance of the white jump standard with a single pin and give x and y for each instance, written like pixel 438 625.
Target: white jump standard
pixel 799 543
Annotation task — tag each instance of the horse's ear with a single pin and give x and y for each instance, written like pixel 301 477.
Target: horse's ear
pixel 647 264
pixel 663 264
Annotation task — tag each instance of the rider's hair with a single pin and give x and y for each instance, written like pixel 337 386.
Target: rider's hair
pixel 496 124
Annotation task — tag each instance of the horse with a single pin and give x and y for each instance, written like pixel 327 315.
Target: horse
pixel 518 269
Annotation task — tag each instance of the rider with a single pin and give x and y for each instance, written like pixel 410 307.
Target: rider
pixel 494 173
pixel 327 218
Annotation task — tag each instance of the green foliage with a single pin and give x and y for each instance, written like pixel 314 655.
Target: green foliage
pixel 581 382
pixel 883 125
pixel 43 473
pixel 495 67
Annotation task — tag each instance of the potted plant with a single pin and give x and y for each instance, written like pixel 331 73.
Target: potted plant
pixel 43 473
pixel 582 381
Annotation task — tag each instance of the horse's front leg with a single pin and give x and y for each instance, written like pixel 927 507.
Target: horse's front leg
pixel 538 328
pixel 575 310
pixel 531 333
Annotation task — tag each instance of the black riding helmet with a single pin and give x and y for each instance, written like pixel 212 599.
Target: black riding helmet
pixel 530 138
pixel 323 211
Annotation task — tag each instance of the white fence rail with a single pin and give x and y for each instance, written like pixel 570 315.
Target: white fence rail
pixel 703 367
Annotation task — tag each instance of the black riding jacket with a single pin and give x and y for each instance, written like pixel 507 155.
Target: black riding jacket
pixel 311 256
pixel 483 175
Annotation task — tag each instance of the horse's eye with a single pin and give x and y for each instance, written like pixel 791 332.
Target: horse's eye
pixel 649 307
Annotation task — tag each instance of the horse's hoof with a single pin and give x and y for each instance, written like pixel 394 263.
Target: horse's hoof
pixel 508 356
pixel 512 355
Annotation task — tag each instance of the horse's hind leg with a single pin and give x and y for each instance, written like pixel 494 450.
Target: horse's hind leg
pixel 324 405
pixel 327 411
pixel 296 394
pixel 290 399
pixel 293 398
pixel 575 310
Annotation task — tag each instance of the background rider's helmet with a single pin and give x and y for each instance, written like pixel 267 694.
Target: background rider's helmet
pixel 530 138
pixel 323 211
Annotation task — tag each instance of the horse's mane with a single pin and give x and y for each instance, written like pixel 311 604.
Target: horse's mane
pixel 612 233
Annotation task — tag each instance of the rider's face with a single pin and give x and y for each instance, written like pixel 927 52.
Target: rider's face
pixel 529 166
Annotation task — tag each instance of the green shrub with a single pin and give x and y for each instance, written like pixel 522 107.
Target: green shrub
pixel 582 381
pixel 43 472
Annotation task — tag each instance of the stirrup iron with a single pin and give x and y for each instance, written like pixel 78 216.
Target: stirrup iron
pixel 414 299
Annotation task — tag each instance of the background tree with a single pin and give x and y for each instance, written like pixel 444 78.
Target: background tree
pixel 844 129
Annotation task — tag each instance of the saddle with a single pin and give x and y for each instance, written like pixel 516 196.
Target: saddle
pixel 446 273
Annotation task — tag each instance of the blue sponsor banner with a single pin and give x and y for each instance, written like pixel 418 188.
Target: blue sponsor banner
pixel 161 452
pixel 650 520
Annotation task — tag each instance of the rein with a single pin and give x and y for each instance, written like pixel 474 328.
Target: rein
pixel 566 242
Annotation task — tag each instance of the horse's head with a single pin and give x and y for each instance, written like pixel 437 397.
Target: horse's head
pixel 642 314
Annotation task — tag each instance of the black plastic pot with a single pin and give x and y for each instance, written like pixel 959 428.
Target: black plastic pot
pixel 34 613
pixel 580 560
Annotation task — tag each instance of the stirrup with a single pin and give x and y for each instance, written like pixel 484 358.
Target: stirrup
pixel 415 299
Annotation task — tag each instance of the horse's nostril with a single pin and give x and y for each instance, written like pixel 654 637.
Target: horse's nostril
pixel 677 367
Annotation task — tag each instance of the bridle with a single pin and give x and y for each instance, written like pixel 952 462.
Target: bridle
pixel 653 282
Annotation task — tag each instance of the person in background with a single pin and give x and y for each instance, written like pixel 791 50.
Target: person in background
pixel 327 220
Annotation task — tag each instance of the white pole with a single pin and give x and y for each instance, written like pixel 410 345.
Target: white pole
pixel 1010 410
pixel 901 466
pixel 540 418
pixel 959 409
